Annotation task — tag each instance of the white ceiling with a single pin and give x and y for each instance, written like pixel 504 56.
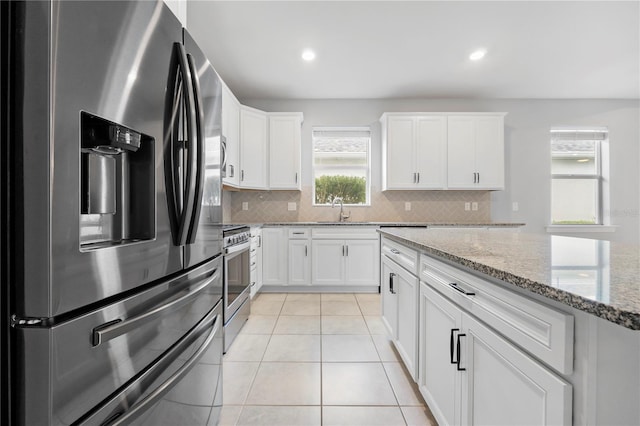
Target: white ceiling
pixel 417 49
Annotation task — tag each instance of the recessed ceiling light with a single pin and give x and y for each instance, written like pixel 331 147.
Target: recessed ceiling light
pixel 477 55
pixel 308 55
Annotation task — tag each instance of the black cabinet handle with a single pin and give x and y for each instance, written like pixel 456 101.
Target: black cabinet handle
pixel 451 345
pixel 455 286
pixel 391 290
pixel 458 353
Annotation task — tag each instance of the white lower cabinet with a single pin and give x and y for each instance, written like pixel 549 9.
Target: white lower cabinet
pixel 255 260
pixel 302 257
pixel 439 380
pixel 389 297
pixel 274 256
pixel 344 262
pixel 399 311
pixel 299 262
pixel 469 374
pixel 327 262
pixel 361 262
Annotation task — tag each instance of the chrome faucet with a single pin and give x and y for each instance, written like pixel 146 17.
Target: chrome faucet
pixel 343 216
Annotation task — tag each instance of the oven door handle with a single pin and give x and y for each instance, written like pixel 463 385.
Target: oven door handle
pixel 237 248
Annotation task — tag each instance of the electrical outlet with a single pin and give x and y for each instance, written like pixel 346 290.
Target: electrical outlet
pixel 474 206
pixel 292 207
pixel 245 205
pixel 467 207
pixel 407 206
pixel 514 206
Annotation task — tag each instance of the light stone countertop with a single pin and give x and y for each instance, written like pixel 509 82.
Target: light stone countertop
pixel 594 276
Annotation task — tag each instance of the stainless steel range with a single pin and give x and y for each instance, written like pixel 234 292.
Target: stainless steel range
pixel 236 283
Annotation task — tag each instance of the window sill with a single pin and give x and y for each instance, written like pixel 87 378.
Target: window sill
pixel 581 228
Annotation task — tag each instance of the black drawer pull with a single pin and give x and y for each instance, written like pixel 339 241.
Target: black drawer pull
pixel 458 352
pixel 455 286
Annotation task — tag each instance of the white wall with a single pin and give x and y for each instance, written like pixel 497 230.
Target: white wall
pixel 527 145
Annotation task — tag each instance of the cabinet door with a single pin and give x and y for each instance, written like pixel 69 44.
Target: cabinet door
pixel 299 262
pixel 400 162
pixel 284 151
pixel 258 245
pixel 503 385
pixel 362 259
pixel 231 132
pixel 327 262
pixel 253 149
pixel 490 152
pixel 274 256
pixel 439 381
pixel 407 335
pixel 461 152
pixel 389 295
pixel 431 152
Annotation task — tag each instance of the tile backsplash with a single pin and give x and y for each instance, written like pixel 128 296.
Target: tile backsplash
pixel 388 206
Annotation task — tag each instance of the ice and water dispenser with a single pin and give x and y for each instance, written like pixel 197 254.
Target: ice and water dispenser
pixel 117 172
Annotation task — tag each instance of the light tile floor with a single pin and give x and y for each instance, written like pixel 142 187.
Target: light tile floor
pixel 318 359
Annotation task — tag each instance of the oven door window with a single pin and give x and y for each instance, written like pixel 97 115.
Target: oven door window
pixel 237 274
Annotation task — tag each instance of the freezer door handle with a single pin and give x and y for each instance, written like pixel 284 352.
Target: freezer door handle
pixel 180 193
pixel 140 407
pixel 199 161
pixel 118 327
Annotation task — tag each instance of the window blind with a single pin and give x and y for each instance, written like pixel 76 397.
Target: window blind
pixel 579 135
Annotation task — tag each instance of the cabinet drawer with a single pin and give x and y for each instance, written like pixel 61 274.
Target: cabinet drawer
pixel 404 256
pixel 539 329
pixel 345 232
pixel 298 233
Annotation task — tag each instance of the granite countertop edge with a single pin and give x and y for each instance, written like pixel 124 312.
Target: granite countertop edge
pixel 386 224
pixel 627 319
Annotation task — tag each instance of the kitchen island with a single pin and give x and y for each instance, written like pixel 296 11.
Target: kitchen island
pixel 594 276
pixel 544 327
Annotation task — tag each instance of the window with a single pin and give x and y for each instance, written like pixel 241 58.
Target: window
pixel 581 266
pixel 576 177
pixel 341 165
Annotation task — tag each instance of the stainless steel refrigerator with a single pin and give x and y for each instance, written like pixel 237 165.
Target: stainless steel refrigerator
pixel 111 178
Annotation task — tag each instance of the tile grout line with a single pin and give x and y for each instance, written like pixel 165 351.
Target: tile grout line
pixel 244 401
pixel 322 360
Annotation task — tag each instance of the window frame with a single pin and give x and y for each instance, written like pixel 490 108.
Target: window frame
pixel 345 129
pixel 597 176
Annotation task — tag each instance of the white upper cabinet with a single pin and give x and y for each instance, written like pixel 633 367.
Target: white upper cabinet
pixel 253 149
pixel 262 150
pixel 414 151
pixel 442 150
pixel 476 151
pixel 284 150
pixel 231 133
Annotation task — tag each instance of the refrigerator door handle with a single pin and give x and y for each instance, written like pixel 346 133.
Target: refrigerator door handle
pixel 115 328
pixel 192 125
pixel 199 162
pixel 139 408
